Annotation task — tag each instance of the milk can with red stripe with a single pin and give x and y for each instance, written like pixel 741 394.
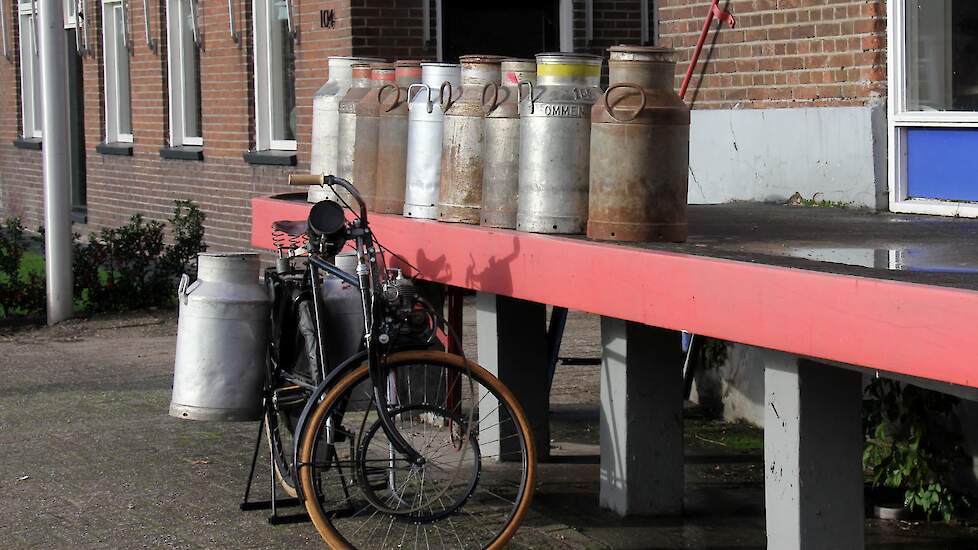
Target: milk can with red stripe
pixel 325 119
pixel 500 175
pixel 392 136
pixel 347 126
pixel 367 113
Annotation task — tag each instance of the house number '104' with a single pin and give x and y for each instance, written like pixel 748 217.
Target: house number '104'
pixel 327 19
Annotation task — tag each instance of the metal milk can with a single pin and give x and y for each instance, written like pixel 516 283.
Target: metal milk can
pixel 365 141
pixel 325 119
pixel 347 125
pixel 501 168
pixel 463 141
pixel 392 136
pixel 343 311
pixel 639 150
pixel 555 130
pixel 424 138
pixel 221 338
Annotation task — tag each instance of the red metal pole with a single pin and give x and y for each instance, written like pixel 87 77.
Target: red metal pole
pixel 723 16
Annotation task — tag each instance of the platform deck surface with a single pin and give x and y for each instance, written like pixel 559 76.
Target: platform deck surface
pixel 892 292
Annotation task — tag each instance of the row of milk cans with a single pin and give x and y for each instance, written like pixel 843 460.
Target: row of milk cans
pixel 530 145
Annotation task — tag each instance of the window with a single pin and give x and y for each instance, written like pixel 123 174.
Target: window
pixel 30 72
pixel 933 106
pixel 115 49
pixel 184 67
pixel 274 75
pixel 71 14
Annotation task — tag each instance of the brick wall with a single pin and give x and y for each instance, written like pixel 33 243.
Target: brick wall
pixel 20 176
pixel 782 53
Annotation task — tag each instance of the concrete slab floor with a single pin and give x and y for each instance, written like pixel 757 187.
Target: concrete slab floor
pixel 90 459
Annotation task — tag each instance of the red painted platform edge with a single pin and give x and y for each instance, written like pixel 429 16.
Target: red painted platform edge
pixel 918 330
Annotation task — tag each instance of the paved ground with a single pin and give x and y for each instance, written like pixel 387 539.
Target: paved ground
pixel 90 459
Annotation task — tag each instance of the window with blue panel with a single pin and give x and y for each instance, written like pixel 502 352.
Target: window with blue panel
pixel 942 163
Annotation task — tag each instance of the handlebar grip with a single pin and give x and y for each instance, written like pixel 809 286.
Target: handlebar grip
pixel 306 179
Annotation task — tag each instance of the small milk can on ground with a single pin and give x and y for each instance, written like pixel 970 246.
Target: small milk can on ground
pixel 555 131
pixel 500 174
pixel 325 119
pixel 463 142
pixel 347 126
pixel 365 142
pixel 639 150
pixel 425 117
pixel 221 338
pixel 392 136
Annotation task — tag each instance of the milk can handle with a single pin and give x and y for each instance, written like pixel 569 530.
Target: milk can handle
pixel 397 96
pixel 519 93
pixel 611 108
pixel 441 96
pixel 495 97
pixel 182 289
pixel 411 94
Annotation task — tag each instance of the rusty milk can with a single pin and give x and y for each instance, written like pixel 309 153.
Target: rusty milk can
pixel 425 117
pixel 325 119
pixel 365 141
pixel 501 168
pixel 347 126
pixel 392 137
pixel 463 141
pixel 639 150
pixel 555 131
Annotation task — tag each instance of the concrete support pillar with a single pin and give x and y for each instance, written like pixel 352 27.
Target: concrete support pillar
pixel 641 419
pixel 512 343
pixel 813 484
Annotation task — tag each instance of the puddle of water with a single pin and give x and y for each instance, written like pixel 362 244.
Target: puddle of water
pixel 921 259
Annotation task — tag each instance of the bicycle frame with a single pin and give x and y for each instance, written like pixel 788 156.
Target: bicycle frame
pixel 368 281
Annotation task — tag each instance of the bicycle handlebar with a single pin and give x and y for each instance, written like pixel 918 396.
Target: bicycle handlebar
pixel 330 181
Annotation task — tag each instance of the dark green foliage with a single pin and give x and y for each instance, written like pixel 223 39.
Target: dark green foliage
pixel 123 268
pixel 913 444
pixel 21 290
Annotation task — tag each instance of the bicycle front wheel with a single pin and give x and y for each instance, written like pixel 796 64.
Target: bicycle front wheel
pixel 472 488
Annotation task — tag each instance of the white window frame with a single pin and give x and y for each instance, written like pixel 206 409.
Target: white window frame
pixel 71 12
pixel 899 119
pixel 264 141
pixel 177 58
pixel 111 74
pixel 30 71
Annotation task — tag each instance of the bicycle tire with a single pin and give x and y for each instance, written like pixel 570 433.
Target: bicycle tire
pixel 281 457
pixel 332 410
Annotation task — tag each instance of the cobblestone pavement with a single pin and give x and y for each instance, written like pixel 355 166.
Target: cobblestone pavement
pixel 90 459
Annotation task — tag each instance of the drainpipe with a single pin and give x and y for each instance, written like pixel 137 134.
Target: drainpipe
pixel 57 184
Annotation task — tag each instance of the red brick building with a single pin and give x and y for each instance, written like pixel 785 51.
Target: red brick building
pixel 209 111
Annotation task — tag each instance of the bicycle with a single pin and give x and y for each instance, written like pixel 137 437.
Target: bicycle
pixel 403 443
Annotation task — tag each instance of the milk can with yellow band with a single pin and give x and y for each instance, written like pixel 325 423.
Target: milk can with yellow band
pixel 555 131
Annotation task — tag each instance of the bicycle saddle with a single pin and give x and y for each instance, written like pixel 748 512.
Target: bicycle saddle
pixel 291 228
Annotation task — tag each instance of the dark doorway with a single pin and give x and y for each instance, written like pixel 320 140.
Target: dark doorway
pixel 76 130
pixel 502 27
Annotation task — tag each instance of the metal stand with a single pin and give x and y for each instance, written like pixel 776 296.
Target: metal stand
pixel 274 501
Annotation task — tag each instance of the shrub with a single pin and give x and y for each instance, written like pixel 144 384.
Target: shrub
pixel 21 290
pixel 913 443
pixel 122 268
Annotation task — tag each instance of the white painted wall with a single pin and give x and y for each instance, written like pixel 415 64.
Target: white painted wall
pixel 769 154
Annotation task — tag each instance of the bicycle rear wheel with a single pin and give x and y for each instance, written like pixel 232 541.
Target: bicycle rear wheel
pixel 474 486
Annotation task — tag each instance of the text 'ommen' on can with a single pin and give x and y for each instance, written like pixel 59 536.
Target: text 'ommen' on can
pixel 555 130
